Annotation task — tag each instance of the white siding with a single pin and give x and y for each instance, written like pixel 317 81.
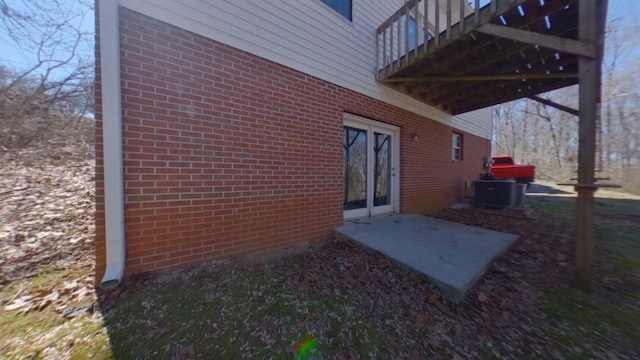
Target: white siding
pixel 308 36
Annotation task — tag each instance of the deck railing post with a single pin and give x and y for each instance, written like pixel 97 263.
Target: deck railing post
pixel 476 13
pixel 461 23
pixel 384 51
pixel 405 16
pixel 437 22
pixel 405 43
pixel 377 55
pixel 391 45
pixel 449 19
pixel 416 28
pixel 399 40
pixel 426 26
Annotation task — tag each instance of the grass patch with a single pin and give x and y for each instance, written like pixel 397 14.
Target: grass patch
pixel 618 258
pixel 344 302
pixel 37 334
pixel 617 241
pixel 561 208
pixel 241 311
pixel 622 243
pixel 584 325
pixel 248 314
pixel 581 322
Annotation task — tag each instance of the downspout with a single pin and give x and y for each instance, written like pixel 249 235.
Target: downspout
pixel 112 143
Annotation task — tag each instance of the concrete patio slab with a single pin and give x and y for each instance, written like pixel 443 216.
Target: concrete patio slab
pixel 453 256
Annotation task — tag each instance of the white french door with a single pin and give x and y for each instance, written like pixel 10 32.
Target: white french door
pixel 371 172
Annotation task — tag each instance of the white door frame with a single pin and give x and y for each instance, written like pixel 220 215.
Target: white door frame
pixel 372 126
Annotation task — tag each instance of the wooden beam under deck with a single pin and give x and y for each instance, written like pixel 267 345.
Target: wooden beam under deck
pixel 488 67
pixel 554 104
pixel 462 106
pixel 511 64
pixel 505 58
pixel 499 77
pixel 456 89
pixel 482 89
pixel 533 38
pixel 459 52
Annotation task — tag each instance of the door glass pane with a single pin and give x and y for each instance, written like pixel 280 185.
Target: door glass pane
pixel 355 168
pixel 382 170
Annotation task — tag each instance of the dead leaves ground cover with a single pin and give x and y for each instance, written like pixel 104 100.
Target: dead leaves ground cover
pixel 352 303
pixel 46 252
pixel 329 300
pixel 604 325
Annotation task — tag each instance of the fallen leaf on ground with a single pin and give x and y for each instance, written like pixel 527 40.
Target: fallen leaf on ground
pixel 433 296
pixel 155 334
pixel 186 353
pixel 432 343
pixel 483 298
pixel 348 356
pixel 21 303
pixel 293 350
pixel 304 323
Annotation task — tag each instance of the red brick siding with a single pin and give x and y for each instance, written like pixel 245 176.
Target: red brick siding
pixel 227 153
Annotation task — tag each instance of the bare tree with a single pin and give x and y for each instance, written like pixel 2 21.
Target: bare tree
pixel 54 88
pixel 548 138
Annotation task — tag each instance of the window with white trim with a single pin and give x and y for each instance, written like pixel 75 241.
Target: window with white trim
pixel 456 142
pixel 343 7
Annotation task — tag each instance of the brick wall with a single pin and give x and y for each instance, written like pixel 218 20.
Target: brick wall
pixel 226 153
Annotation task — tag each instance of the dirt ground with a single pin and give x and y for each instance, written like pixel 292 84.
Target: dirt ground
pixel 331 299
pixel 47 208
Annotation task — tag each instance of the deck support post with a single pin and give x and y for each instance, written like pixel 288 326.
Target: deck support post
pixel 591 12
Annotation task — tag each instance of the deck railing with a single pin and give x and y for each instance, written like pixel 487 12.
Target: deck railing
pixel 419 26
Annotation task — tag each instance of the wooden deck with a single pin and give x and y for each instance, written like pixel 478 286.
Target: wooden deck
pixel 478 56
pixel 493 56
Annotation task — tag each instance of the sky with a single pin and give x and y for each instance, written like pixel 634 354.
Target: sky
pixel 15 57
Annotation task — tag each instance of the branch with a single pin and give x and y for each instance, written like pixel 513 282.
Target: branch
pixel 14 190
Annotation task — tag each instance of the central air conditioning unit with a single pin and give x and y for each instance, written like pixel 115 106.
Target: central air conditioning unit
pixel 495 193
pixel 521 193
